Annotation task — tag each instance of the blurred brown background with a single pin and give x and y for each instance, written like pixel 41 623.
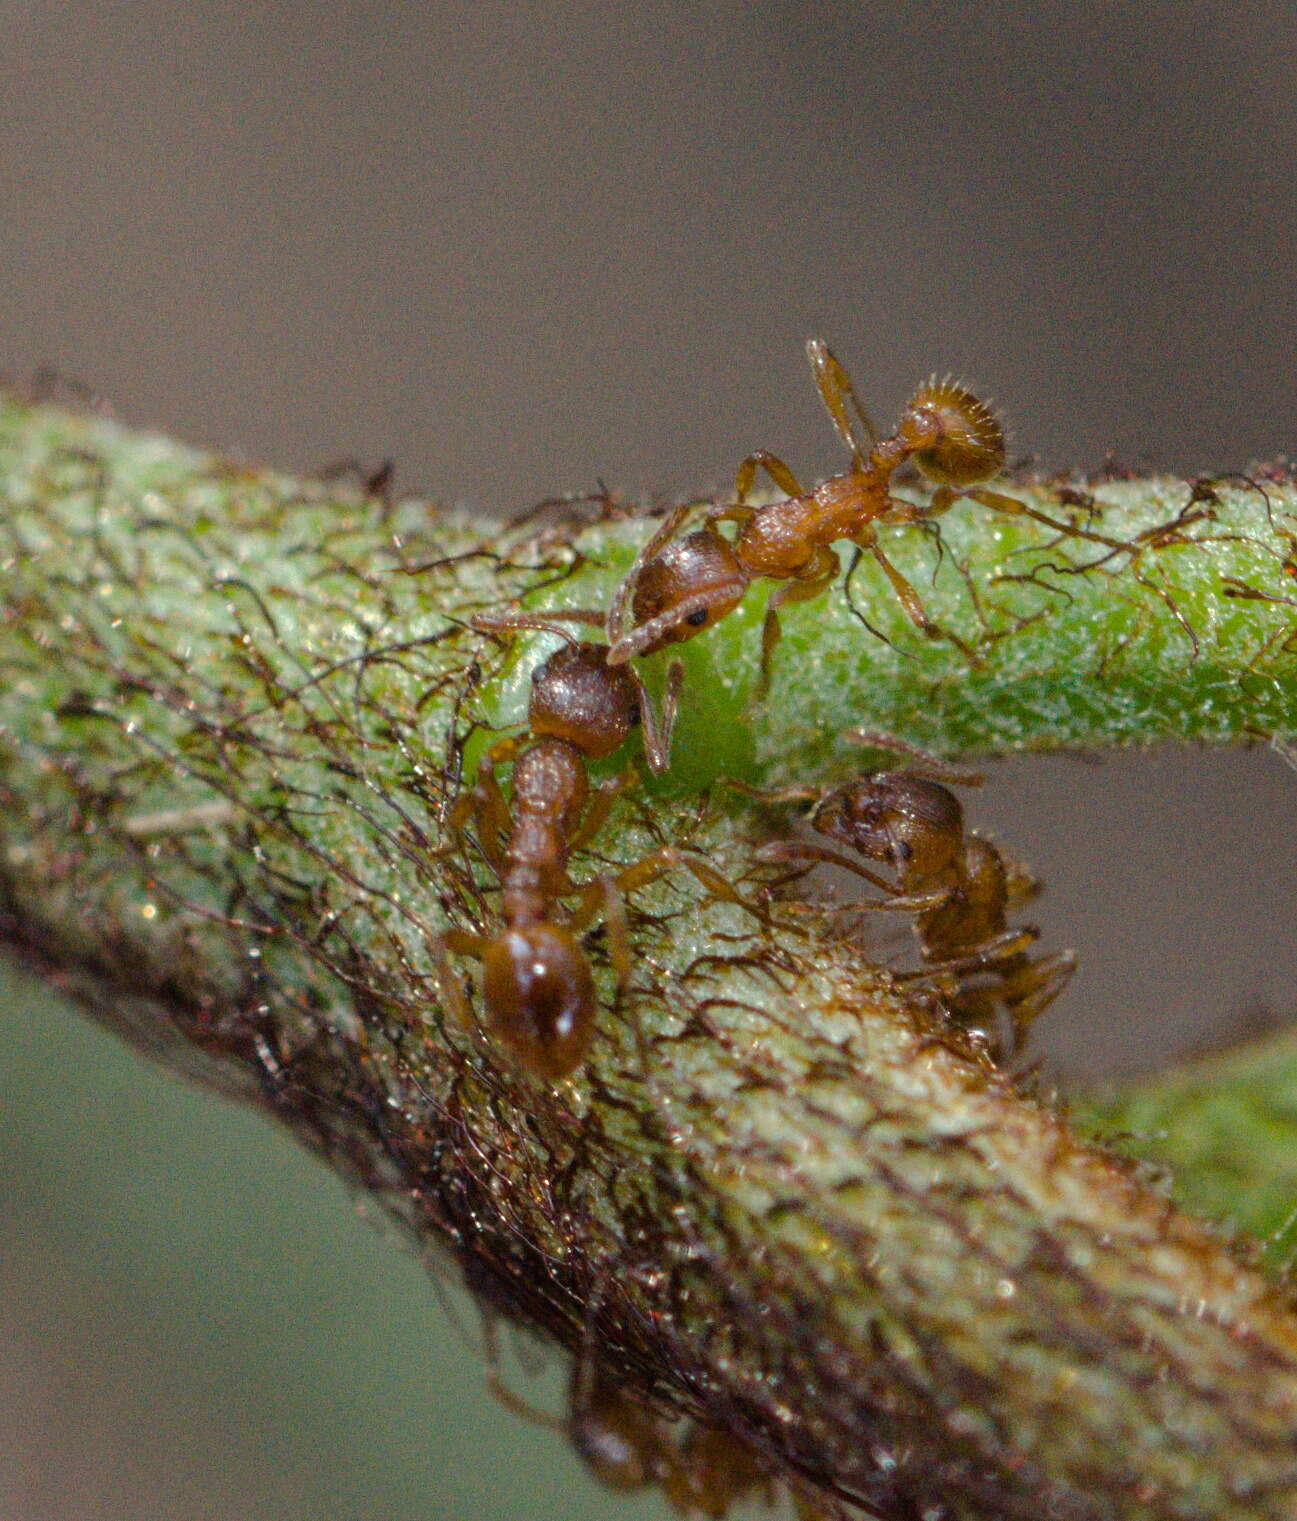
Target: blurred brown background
pixel 519 248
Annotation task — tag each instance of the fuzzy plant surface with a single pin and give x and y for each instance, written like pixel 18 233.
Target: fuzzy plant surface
pixel 782 1198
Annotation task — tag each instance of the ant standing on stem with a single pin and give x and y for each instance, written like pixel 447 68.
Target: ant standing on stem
pixel 677 589
pixel 536 981
pixel 959 884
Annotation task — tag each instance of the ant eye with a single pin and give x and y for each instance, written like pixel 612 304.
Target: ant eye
pixel 696 620
pixel 634 715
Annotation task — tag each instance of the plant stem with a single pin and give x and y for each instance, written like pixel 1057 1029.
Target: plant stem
pixel 781 1196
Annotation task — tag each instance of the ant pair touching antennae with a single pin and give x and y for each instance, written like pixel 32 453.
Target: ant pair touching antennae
pixel 959 885
pixel 537 986
pixel 679 586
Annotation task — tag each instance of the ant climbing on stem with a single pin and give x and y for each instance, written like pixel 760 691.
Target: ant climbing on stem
pixel 537 985
pixel 629 1446
pixel 679 586
pixel 959 884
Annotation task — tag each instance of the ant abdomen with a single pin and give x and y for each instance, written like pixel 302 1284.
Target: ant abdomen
pixel 537 987
pixel 957 439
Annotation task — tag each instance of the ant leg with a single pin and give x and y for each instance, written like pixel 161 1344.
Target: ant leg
pixel 819 573
pixel 945 497
pixel 485 804
pixel 544 623
pixel 805 851
pixel 840 400
pixel 462 943
pixel 657 731
pixel 496 1385
pixel 911 601
pixel 597 810
pixel 930 766
pixel 735 512
pixel 1031 991
pixel 648 869
pixel 615 619
pixel 800 793
pixel 779 473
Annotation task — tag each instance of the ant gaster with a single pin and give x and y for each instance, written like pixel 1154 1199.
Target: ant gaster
pixel 676 590
pixel 537 986
pixel 959 885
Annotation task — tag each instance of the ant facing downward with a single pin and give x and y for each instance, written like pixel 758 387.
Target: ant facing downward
pixel 537 986
pixel 677 589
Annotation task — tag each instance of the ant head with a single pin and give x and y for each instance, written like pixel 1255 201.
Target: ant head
pixel 578 697
pixel 540 998
pixel 903 820
pixel 954 437
pixel 692 584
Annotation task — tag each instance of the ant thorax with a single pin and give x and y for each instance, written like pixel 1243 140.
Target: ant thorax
pixel 779 539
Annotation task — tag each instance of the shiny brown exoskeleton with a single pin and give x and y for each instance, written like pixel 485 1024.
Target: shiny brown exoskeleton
pixel 702 1470
pixel 959 885
pixel 537 986
pixel 677 589
pixel 630 1445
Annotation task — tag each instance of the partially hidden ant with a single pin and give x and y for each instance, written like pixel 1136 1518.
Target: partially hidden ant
pixel 958 884
pixel 628 1446
pixel 679 586
pixel 537 986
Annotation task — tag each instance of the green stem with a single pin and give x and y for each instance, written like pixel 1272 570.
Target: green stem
pixel 779 1196
pixel 1225 1127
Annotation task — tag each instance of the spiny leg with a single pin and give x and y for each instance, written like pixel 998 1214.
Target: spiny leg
pixel 779 473
pixel 840 400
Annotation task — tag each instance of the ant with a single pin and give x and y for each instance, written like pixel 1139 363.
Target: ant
pixel 959 884
pixel 678 589
pixel 629 1446
pixel 536 981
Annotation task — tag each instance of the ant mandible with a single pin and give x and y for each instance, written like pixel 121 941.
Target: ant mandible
pixel 958 883
pixel 675 590
pixel 537 986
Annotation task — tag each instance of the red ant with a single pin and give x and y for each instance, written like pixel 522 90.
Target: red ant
pixel 678 589
pixel 958 883
pixel 536 981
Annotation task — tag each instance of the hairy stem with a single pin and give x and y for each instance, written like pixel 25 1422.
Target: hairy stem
pixel 780 1196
